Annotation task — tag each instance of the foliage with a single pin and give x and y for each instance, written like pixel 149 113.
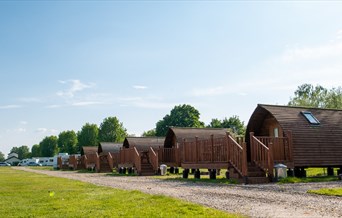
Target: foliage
pixel 35 150
pixel 307 95
pixel 2 156
pixel 327 191
pixel 234 123
pixel 22 151
pixel 88 136
pixel 180 116
pixel 67 142
pixel 151 132
pixel 111 130
pixel 37 195
pixel 49 146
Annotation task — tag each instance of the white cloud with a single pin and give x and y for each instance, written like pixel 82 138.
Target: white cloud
pixel 139 87
pixel 11 106
pixel 45 130
pixel 30 100
pixel 87 103
pixel 54 106
pixel 20 130
pixel 151 102
pixel 75 86
pixel 296 54
pixel 23 122
pixel 41 130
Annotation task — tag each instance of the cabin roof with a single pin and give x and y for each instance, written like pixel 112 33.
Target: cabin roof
pixel 109 147
pixel 143 143
pixel 292 118
pixel 188 133
pixel 89 150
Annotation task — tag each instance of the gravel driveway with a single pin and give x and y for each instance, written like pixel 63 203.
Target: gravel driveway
pixel 269 200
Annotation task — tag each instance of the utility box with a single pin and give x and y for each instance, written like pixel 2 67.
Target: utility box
pixel 163 168
pixel 280 171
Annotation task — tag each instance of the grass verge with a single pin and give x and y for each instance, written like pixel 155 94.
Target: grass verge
pixel 25 194
pixel 328 191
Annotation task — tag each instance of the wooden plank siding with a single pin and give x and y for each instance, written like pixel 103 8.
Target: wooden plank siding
pixel 313 145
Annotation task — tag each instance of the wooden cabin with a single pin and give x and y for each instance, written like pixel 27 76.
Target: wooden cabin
pixel 140 153
pixel 109 153
pixel 90 157
pixel 299 137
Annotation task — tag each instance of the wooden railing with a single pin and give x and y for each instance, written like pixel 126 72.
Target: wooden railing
pixel 167 155
pixel 261 154
pixel 110 160
pixel 212 150
pixel 137 160
pixel 237 155
pixel 282 148
pixel 153 159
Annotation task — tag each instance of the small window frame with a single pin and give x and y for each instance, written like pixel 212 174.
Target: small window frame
pixel 310 118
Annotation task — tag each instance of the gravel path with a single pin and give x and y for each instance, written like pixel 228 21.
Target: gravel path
pixel 269 200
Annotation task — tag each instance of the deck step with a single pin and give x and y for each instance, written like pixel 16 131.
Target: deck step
pixel 257 180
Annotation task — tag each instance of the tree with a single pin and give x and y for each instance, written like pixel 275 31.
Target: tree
pixel 88 136
pixel 22 151
pixel 233 123
pixel 307 95
pixel 67 142
pixel 181 116
pixel 111 130
pixel 35 151
pixel 151 132
pixel 2 157
pixel 49 146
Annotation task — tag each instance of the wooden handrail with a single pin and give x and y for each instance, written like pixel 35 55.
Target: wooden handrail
pixel 110 160
pixel 137 159
pixel 237 155
pixel 153 158
pixel 97 162
pixel 262 155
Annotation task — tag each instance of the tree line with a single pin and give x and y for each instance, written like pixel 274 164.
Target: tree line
pixel 112 130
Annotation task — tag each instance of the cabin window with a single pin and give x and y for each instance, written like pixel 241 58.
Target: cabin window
pixel 276 132
pixel 310 117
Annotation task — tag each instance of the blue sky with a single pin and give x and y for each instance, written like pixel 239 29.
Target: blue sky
pixel 63 64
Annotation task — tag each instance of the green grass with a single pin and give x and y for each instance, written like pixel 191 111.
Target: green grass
pixel 25 194
pixel 328 191
pixel 313 175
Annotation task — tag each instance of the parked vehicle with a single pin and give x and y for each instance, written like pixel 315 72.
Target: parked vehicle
pixel 4 164
pixel 34 164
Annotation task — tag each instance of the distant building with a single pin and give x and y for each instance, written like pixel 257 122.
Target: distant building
pixel 12 159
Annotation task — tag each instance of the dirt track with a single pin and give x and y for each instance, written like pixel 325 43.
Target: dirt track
pixel 270 200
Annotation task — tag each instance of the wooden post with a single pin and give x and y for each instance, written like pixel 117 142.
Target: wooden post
pixel 244 159
pixel 252 146
pixel 196 149
pixel 228 147
pixel 212 147
pixel 184 160
pixel 270 160
pixel 289 136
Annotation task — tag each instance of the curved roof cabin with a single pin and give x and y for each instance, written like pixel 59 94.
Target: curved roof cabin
pixel 109 147
pixel 178 134
pixel 86 150
pixel 311 137
pixel 143 143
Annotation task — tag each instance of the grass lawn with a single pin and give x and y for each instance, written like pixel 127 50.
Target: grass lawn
pixel 313 175
pixel 25 194
pixel 327 191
